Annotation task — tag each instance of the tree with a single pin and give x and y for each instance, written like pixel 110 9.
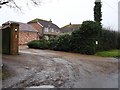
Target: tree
pixel 97 11
pixel 84 39
pixel 98 19
pixel 14 4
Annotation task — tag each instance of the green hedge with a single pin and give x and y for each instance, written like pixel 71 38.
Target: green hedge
pixel 82 40
pixel 38 44
pixel 109 40
pixel 52 43
pixel 63 43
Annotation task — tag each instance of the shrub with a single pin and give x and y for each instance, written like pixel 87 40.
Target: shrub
pixel 52 43
pixel 33 44
pixel 108 40
pixel 63 43
pixel 43 44
pixel 83 40
pixel 118 40
pixel 38 44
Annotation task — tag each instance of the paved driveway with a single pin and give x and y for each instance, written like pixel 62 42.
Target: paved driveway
pixel 61 69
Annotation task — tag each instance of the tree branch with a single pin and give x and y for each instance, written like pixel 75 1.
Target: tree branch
pixel 13 3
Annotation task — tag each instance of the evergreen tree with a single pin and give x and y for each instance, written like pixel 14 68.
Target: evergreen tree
pixel 97 11
pixel 98 19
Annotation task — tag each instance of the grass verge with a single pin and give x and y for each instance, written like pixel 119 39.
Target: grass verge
pixel 110 53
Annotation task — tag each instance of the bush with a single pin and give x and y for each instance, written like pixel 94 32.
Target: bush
pixel 52 43
pixel 60 43
pixel 43 44
pixel 108 40
pixel 83 40
pixel 118 40
pixel 38 44
pixel 33 44
pixel 63 43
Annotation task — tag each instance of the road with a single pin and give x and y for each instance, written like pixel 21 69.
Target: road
pixel 34 67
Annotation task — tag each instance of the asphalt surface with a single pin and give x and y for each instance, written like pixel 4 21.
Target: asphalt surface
pixel 34 67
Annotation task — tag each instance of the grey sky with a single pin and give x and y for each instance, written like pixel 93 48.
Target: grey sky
pixel 62 12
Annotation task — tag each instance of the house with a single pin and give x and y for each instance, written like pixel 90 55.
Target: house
pixel 46 29
pixel 26 32
pixel 68 29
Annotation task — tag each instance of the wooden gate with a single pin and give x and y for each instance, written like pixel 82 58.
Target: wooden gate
pixel 10 37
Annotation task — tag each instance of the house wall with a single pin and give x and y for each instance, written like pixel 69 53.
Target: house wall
pixel 37 27
pixel 43 31
pixel 25 37
pixel 51 31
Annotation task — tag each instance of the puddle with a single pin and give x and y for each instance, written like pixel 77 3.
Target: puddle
pixel 42 87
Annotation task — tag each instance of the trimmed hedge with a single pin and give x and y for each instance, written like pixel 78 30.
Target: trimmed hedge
pixel 38 44
pixel 108 40
pixel 82 40
pixel 52 43
pixel 63 43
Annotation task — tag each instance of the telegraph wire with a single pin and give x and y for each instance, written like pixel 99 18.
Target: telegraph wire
pixel 111 7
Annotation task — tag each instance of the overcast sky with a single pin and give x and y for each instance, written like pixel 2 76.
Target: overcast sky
pixel 62 12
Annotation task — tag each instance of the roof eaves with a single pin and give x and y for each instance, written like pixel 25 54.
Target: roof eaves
pixel 39 24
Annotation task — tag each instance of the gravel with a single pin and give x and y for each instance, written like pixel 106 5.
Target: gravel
pixel 37 68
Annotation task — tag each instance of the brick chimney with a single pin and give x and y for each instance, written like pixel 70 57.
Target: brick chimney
pixel 50 20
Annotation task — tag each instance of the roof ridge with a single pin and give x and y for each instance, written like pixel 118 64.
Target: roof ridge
pixel 36 20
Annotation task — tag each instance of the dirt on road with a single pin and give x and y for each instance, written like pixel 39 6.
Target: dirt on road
pixel 61 69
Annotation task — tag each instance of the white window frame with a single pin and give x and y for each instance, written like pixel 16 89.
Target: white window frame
pixel 46 30
pixel 53 30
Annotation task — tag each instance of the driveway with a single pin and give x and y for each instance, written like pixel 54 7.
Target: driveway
pixel 34 67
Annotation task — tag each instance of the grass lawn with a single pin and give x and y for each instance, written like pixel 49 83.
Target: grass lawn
pixel 111 53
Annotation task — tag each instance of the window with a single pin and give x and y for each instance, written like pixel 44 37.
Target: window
pixel 46 29
pixel 52 30
pixel 58 31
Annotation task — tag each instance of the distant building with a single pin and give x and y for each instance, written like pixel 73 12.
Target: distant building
pixel 68 29
pixel 46 29
pixel 26 32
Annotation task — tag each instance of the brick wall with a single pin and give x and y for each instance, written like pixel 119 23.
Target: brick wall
pixel 25 37
pixel 37 27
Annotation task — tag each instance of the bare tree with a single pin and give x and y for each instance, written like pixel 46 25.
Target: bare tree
pixel 14 4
